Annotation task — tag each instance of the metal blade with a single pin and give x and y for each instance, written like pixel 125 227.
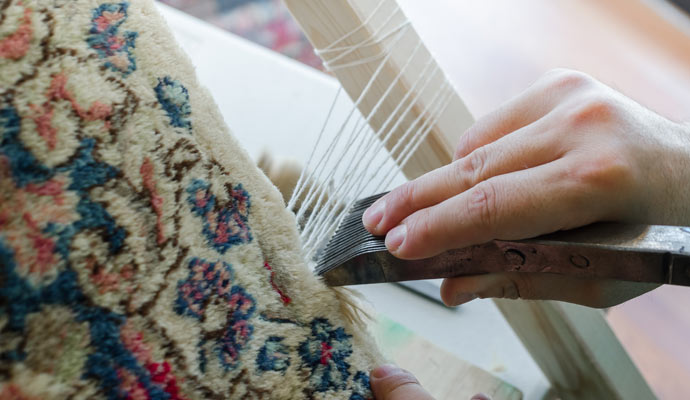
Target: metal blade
pixel 639 253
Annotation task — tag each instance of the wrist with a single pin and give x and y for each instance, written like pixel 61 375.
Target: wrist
pixel 671 193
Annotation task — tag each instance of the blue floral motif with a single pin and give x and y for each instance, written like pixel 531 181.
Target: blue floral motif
pixel 202 356
pixel 205 279
pixel 325 352
pixel 24 167
pixel 223 225
pixel 19 298
pixel 273 355
pixel 361 387
pixel 208 280
pixel 105 37
pixel 174 99
pixel 84 173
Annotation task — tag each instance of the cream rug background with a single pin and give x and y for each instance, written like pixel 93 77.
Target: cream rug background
pixel 142 253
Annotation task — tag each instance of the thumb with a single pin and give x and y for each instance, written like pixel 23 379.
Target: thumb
pixel 389 382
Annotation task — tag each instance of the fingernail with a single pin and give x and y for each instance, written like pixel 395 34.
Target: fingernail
pixel 395 237
pixel 385 371
pixel 373 215
pixel 480 396
pixel 463 298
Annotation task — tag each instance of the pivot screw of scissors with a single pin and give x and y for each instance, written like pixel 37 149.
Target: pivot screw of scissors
pixel 514 257
pixel 579 261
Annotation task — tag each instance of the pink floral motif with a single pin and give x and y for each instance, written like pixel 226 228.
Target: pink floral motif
pixel 43 118
pixel 109 281
pixel 26 212
pixel 107 19
pixel 224 224
pixel 14 392
pixel 283 297
pixel 17 44
pixel 112 44
pixel 129 384
pixel 326 352
pixel 160 372
pixel 134 342
pixel 53 188
pixel 214 281
pixel 147 174
pixel 45 247
pixel 43 114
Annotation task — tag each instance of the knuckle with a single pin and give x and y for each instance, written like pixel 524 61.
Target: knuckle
pixel 492 292
pixel 558 71
pixel 394 385
pixel 567 80
pixel 523 286
pixel 594 108
pixel 401 381
pixel 607 170
pixel 504 286
pixel 405 377
pixel 511 285
pixel 483 204
pixel 473 167
pixel 404 194
pixel 510 290
pixel 464 146
pixel 456 178
pixel 477 160
pixel 419 229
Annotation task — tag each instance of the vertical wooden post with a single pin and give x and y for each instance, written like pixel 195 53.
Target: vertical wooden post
pixel 326 21
pixel 576 349
pixel 573 346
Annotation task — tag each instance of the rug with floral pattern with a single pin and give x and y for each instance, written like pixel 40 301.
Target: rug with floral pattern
pixel 142 254
pixel 265 22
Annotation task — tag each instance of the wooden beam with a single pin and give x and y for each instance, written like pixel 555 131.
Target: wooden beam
pixel 576 349
pixel 573 345
pixel 327 21
pixel 444 375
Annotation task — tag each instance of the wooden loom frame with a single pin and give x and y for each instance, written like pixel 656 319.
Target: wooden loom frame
pixel 573 345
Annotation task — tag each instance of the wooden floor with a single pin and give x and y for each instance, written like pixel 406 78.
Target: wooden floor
pixel 492 50
pixel 655 330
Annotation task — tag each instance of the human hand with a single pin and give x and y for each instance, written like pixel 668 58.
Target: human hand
pixel 389 382
pixel 567 152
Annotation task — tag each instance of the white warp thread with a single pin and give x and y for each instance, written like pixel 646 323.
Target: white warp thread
pixel 320 166
pixel 378 145
pixel 333 180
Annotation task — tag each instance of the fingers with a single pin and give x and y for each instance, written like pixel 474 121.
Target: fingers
pixel 524 133
pixel 531 105
pixel 497 208
pixel 543 286
pixel 389 382
pixel 528 147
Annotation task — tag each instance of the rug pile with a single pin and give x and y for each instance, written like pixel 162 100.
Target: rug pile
pixel 142 254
